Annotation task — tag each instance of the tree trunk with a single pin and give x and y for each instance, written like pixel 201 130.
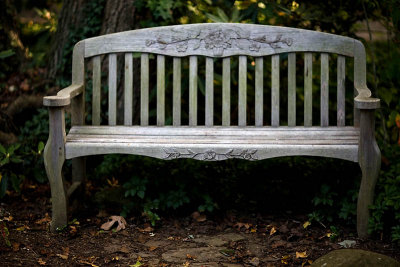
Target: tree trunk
pixel 119 15
pixel 71 17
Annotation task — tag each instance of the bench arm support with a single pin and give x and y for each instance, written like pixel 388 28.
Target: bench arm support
pixel 64 96
pixel 364 100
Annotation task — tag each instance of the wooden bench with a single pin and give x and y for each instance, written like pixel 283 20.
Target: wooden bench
pixel 269 136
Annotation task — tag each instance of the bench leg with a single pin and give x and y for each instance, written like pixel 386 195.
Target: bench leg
pixel 54 158
pixel 370 163
pixel 77 190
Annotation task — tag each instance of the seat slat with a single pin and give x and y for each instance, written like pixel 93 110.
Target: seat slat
pixel 96 91
pixel 193 90
pixel 226 91
pixel 324 89
pixel 176 105
pixel 341 74
pixel 128 89
pixel 259 91
pixel 209 91
pixel 242 90
pixel 292 89
pixel 112 89
pixel 144 89
pixel 275 91
pixel 160 90
pixel 308 89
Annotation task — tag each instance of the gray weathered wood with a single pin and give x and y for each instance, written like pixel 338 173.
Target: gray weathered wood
pixel 200 39
pixel 242 90
pixel 193 90
pixel 308 58
pixel 96 96
pixel 54 156
pixel 144 89
pixel 128 89
pixel 292 89
pixel 209 91
pixel 341 76
pixel 160 90
pixel 226 91
pixel 259 91
pixel 176 102
pixel 112 89
pixel 370 162
pixel 275 91
pixel 324 89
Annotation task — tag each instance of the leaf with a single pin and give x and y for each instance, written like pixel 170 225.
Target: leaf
pixel 2 149
pixel 222 15
pixel 6 53
pixel 213 17
pixel 113 219
pixel 64 257
pixel 301 254
pixel 40 147
pixel 137 264
pixel 273 231
pixel 306 224
pixel 41 262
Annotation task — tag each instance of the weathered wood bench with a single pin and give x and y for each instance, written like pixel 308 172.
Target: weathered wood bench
pixel 209 141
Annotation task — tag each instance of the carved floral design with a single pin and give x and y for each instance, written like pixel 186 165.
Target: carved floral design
pixel 211 155
pixel 218 40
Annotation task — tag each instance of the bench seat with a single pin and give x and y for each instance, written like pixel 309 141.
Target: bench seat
pixel 216 143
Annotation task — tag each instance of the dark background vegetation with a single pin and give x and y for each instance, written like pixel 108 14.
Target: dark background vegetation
pixel 37 38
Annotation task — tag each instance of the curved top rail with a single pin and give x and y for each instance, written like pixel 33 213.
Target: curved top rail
pixel 219 40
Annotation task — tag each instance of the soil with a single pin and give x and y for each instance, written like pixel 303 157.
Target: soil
pixel 195 240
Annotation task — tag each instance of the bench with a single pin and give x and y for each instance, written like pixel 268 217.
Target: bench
pixel 269 136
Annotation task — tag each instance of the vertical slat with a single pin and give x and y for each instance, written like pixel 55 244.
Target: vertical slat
pixel 144 89
pixel 96 90
pixel 292 89
pixel 226 91
pixel 209 91
pixel 341 74
pixel 112 89
pixel 193 90
pixel 356 111
pixel 242 90
pixel 259 92
pixel 128 93
pixel 308 89
pixel 160 90
pixel 176 110
pixel 324 89
pixel 275 91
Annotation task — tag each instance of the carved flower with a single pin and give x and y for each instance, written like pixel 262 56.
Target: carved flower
pixel 254 47
pixel 249 154
pixel 217 39
pixel 182 47
pixel 209 155
pixel 172 154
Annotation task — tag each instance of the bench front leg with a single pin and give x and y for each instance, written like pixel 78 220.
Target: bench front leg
pixel 54 157
pixel 370 163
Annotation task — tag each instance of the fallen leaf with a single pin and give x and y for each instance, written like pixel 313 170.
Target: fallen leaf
pixel 273 231
pixel 227 252
pixel 240 225
pixel 309 262
pixel 137 264
pixel 124 249
pixel 186 264
pixel 64 257
pixel 88 263
pixel 306 224
pixel 113 219
pixel 285 259
pixel 199 217
pixel 253 230
pixel 301 254
pixel 22 228
pixel 148 229
pixel 45 219
pixel 279 243
pixel 41 262
pixel 15 246
pixel 190 257
pixel 9 218
pixel 152 248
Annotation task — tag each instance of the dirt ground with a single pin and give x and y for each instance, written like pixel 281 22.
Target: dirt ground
pixel 224 240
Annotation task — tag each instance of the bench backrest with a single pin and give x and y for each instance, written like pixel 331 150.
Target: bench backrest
pixel 221 41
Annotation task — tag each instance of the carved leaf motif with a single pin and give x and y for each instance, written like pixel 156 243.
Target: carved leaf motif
pixel 211 155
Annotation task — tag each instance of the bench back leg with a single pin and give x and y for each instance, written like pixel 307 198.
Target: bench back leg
pixel 54 158
pixel 370 163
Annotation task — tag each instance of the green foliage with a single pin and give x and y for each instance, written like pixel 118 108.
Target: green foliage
pixel 9 163
pixel 5 233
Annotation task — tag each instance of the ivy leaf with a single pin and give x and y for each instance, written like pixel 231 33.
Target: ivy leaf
pixel 2 149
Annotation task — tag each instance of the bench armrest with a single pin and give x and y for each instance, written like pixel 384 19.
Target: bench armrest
pixel 63 97
pixel 364 100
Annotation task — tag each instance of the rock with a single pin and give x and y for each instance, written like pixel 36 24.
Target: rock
pixel 355 257
pixel 219 240
pixel 204 254
pixel 348 243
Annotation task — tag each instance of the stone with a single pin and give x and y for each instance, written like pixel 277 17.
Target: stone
pixel 203 254
pixel 220 240
pixel 354 257
pixel 348 243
